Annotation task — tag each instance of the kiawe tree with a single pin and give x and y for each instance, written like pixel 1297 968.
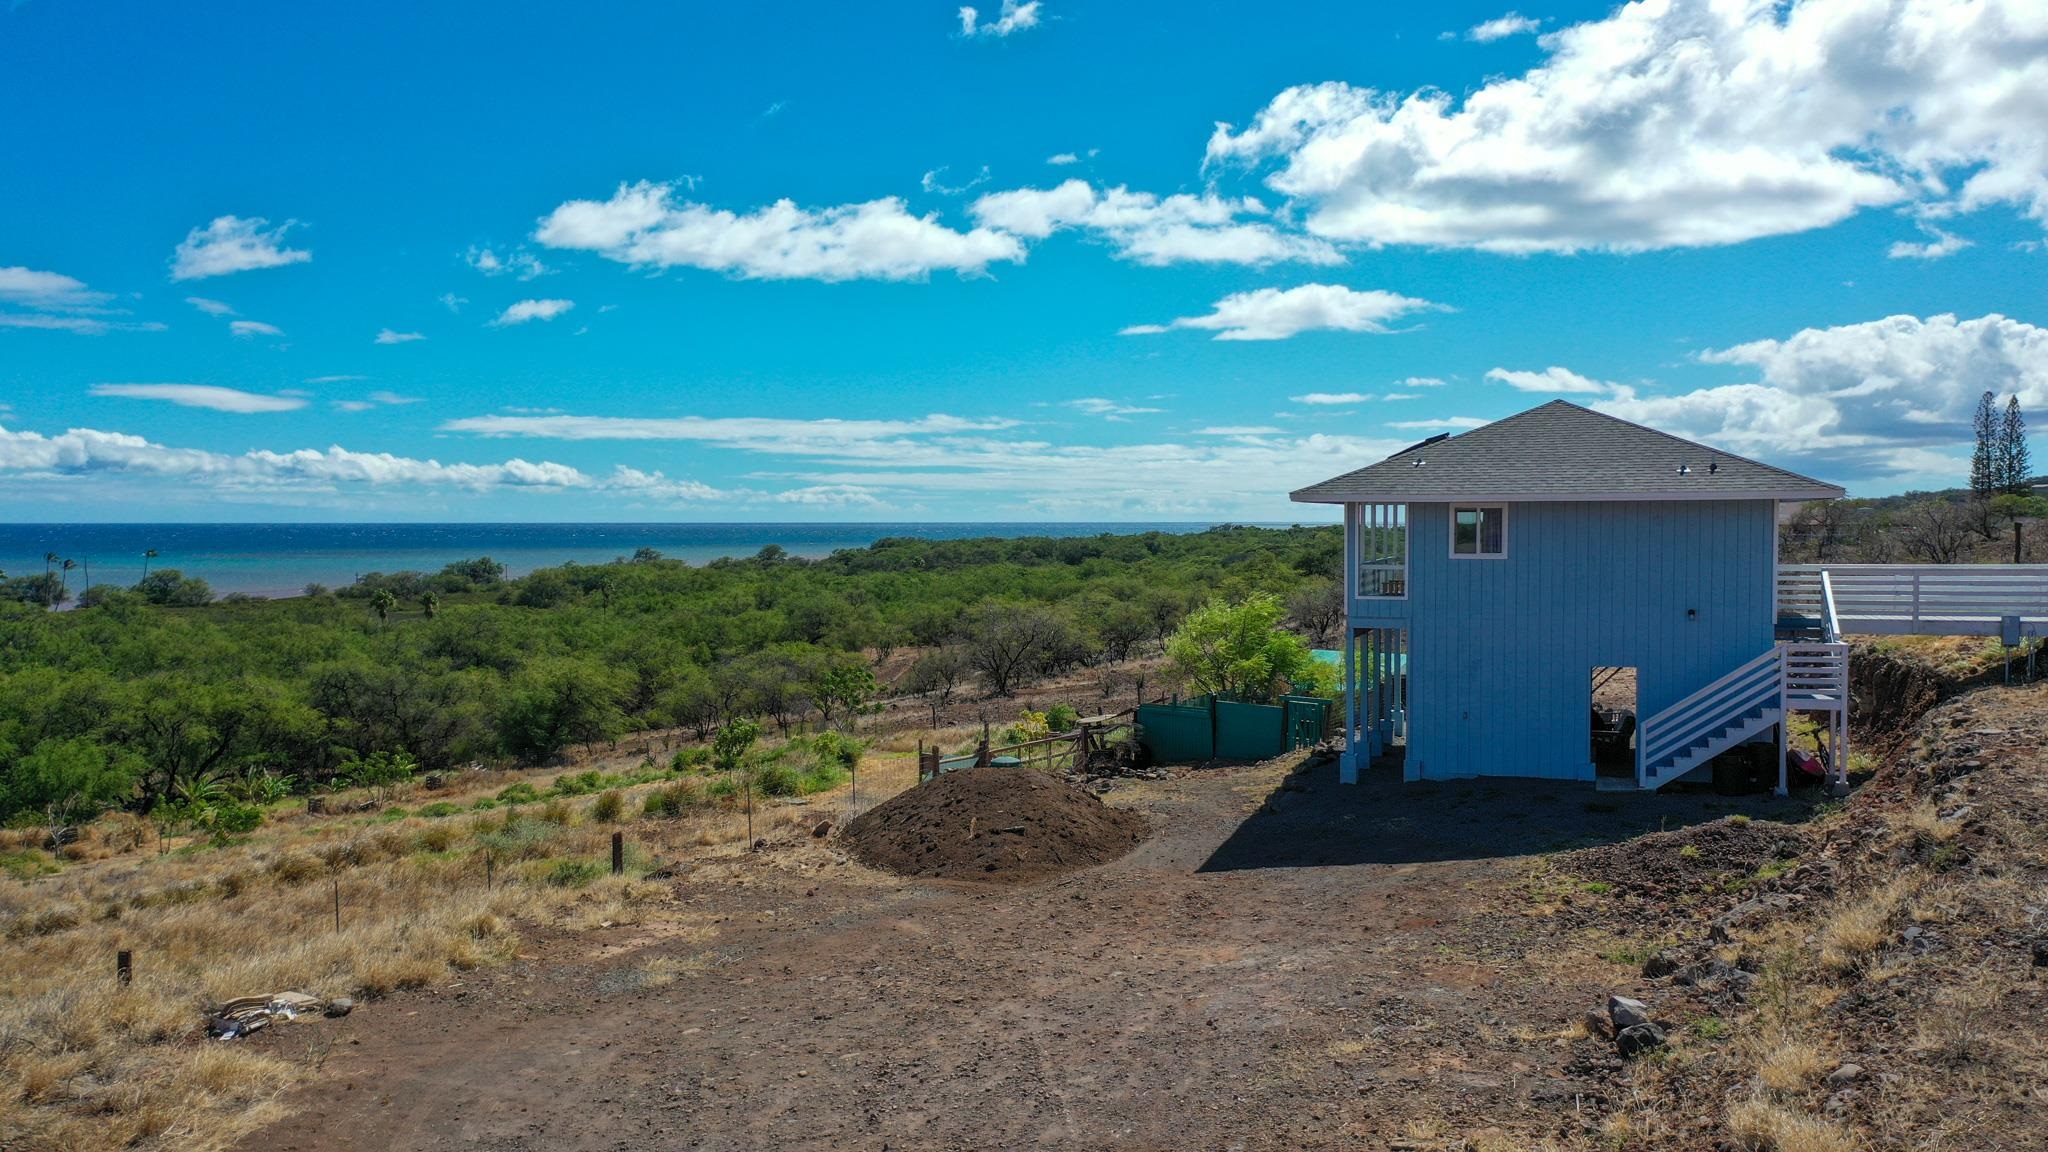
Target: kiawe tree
pixel 1240 650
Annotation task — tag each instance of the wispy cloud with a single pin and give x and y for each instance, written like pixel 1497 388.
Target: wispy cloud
pixel 934 181
pixel 1939 245
pixel 528 310
pixel 1276 314
pixel 203 396
pixel 388 336
pixel 1502 27
pixel 1439 425
pixel 1108 409
pixel 210 307
pixel 518 262
pixel 233 244
pixel 336 379
pixel 60 303
pixel 1552 379
pixel 1150 229
pixel 249 328
pixel 1331 398
pixel 1012 17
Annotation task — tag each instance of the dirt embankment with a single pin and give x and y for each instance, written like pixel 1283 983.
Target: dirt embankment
pixel 1002 825
pixel 1892 684
pixel 1882 989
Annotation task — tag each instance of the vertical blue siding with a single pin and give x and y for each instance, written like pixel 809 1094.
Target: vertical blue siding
pixel 1502 650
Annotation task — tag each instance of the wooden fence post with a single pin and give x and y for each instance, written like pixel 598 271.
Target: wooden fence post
pixel 618 853
pixel 124 967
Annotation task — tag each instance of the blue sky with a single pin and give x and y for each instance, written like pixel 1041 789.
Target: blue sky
pixel 1085 261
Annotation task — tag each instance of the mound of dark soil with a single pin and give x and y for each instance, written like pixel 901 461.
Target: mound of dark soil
pixel 1674 863
pixel 1005 825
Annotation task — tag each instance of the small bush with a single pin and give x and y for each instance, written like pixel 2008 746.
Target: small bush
pixel 674 800
pixel 520 793
pixel 393 813
pixel 839 751
pixel 690 759
pixel 295 869
pixel 609 807
pixel 778 779
pixel 557 813
pixel 483 805
pixel 583 783
pixel 437 838
pixel 574 873
pixel 438 809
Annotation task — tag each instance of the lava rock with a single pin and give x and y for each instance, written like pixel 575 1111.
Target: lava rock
pixel 1662 964
pixel 1626 1013
pixel 340 1006
pixel 1846 1074
pixel 1639 1038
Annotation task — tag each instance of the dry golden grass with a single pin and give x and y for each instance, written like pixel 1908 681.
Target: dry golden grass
pixel 1792 1066
pixel 1856 930
pixel 1765 1127
pixel 85 1064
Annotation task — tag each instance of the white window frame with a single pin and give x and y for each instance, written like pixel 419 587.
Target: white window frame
pixel 1452 543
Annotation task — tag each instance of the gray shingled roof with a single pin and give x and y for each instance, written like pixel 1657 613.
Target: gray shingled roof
pixel 1561 451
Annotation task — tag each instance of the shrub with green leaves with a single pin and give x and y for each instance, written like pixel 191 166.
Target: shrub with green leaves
pixel 574 873
pixel 609 807
pixel 438 809
pixel 520 793
pixel 674 800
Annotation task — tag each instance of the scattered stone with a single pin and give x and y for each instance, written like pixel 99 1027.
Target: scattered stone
pixel 1846 1074
pixel 1596 1023
pixel 340 1006
pixel 823 829
pixel 1639 1038
pixel 1662 964
pixel 1626 1013
pixel 2041 953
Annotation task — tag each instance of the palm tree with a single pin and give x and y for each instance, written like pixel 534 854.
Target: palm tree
pixel 430 602
pixel 147 556
pixel 63 579
pixel 49 558
pixel 382 602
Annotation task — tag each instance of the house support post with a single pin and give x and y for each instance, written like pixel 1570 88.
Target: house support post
pixel 1347 763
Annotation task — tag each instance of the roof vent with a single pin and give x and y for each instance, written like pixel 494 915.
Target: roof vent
pixel 1417 463
pixel 1685 469
pixel 1713 466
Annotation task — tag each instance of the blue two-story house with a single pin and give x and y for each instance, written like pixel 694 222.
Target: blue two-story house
pixel 1498 576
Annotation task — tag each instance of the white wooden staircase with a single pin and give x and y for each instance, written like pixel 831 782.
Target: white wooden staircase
pixel 1790 676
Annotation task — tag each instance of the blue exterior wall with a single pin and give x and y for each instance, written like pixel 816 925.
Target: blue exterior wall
pixel 1502 650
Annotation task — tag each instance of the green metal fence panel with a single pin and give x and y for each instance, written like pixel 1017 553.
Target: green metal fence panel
pixel 1249 731
pixel 1308 720
pixel 1177 733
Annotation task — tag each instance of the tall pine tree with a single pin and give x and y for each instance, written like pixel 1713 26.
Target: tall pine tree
pixel 2015 468
pixel 1987 471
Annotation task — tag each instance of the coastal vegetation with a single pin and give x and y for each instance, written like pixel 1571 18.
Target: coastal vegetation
pixel 163 701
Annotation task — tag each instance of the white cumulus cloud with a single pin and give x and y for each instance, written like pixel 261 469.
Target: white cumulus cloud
pixel 646 226
pixel 1680 123
pixel 388 336
pixel 1328 398
pixel 1890 397
pixel 1276 314
pixel 233 244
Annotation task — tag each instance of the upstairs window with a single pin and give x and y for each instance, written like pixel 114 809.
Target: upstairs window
pixel 1479 531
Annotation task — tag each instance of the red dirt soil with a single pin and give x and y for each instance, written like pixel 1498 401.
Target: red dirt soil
pixel 1000 825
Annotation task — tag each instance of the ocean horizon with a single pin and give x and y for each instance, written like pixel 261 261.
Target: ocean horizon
pixel 281 559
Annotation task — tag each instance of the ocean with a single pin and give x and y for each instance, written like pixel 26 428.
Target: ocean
pixel 281 559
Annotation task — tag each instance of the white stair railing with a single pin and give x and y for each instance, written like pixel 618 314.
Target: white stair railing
pixel 1662 738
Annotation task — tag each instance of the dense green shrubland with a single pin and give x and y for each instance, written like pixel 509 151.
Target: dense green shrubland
pixel 147 697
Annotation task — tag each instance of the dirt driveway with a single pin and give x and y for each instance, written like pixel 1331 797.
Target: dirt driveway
pixel 1285 963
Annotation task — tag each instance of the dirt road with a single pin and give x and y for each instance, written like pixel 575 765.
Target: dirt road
pixel 1272 968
